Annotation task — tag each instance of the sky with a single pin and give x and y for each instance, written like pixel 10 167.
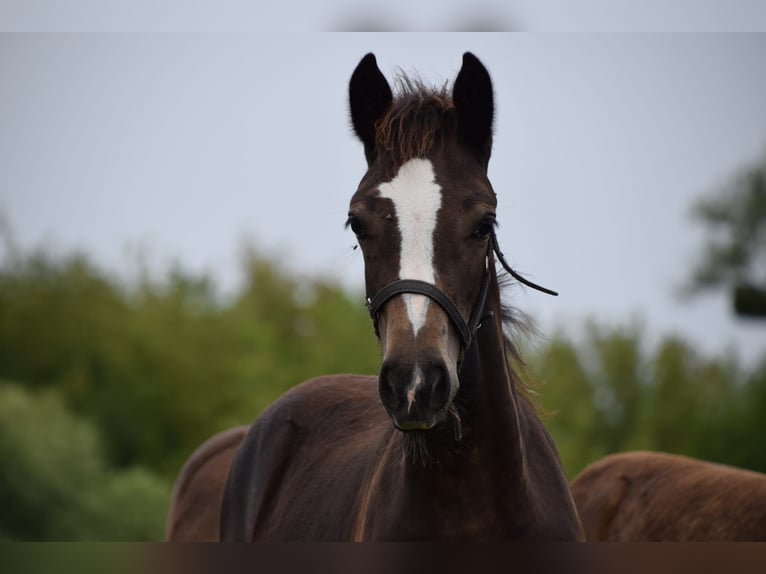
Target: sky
pixel 401 15
pixel 186 146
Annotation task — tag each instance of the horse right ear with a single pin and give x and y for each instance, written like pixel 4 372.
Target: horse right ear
pixel 369 97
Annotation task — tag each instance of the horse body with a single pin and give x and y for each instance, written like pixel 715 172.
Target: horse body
pixel 442 444
pixel 195 504
pixel 652 496
pixel 349 474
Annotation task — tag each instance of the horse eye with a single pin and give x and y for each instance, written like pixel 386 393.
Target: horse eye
pixel 485 227
pixel 356 226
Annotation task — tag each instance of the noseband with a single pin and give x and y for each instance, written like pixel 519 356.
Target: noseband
pixel 465 329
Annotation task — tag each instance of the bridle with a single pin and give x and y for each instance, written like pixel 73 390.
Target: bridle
pixel 465 329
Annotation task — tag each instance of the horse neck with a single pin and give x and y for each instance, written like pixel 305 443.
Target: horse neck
pixel 486 465
pixel 488 399
pixel 487 460
pixel 491 426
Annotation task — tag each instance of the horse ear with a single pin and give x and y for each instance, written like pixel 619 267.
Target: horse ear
pixel 472 95
pixel 369 98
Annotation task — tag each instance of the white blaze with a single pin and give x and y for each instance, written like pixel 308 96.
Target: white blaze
pixel 417 198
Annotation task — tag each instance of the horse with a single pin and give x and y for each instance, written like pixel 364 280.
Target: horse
pixel 654 496
pixel 195 503
pixel 442 444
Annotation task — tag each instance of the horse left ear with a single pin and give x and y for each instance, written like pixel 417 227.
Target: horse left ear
pixel 474 104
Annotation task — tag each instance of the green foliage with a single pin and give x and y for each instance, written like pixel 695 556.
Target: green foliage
pixel 55 484
pixel 155 369
pixel 129 505
pixel 164 365
pixel 117 385
pixel 608 393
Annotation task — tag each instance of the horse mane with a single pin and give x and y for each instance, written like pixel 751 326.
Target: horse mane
pixel 419 117
pixel 517 325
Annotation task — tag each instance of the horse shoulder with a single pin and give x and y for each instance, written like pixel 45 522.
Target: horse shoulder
pixel 196 498
pixel 276 463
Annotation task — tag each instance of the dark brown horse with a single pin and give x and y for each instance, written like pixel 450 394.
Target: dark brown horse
pixel 652 496
pixel 195 504
pixel 454 451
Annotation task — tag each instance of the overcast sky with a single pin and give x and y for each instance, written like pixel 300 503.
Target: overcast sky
pixel 404 15
pixel 187 145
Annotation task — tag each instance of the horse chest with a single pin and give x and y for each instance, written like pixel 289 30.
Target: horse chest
pixel 440 507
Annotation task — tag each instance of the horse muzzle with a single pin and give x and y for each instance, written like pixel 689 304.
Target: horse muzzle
pixel 415 396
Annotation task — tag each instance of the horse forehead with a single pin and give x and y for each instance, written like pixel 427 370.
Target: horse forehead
pixel 416 199
pixel 413 191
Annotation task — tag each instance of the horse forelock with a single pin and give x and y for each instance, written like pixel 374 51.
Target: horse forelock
pixel 419 117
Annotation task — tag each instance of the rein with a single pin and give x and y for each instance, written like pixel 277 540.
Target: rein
pixel 465 329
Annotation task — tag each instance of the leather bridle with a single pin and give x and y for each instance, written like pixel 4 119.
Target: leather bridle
pixel 465 329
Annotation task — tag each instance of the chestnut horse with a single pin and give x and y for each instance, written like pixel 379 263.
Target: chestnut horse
pixel 652 496
pixel 195 504
pixel 442 444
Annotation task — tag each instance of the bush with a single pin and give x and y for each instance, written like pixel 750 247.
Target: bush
pixel 54 481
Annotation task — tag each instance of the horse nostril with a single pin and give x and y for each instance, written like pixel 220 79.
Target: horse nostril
pixel 386 388
pixel 440 388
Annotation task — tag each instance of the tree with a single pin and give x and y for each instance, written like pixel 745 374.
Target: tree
pixel 612 391
pixel 734 256
pixel 163 363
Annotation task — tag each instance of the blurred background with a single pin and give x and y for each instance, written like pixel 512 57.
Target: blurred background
pixel 173 255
